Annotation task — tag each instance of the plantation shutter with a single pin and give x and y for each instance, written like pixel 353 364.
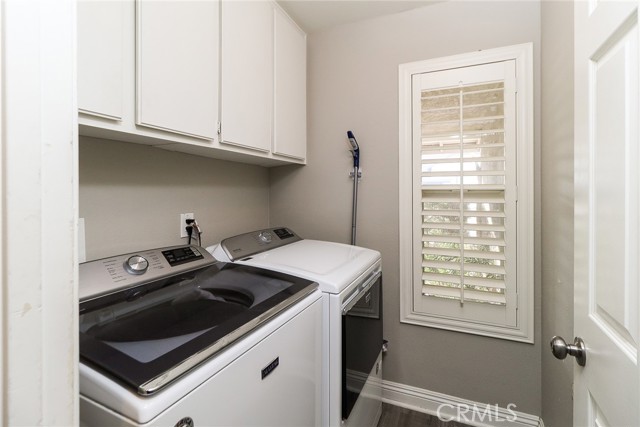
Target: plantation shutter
pixel 465 193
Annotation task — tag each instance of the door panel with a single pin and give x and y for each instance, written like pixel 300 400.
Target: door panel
pixel 607 191
pixel 612 102
pixel 596 414
pixel 247 74
pixel 101 58
pixel 290 91
pixel 177 66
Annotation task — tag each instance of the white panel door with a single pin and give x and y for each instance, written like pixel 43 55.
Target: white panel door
pixel 101 57
pixel 290 90
pixel 607 192
pixel 177 61
pixel 247 73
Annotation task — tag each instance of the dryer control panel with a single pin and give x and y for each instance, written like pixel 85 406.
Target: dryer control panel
pixel 255 242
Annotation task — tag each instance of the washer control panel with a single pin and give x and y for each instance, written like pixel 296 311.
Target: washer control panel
pixel 111 274
pixel 244 245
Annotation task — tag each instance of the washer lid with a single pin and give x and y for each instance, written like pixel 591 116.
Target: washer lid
pixel 333 265
pixel 148 336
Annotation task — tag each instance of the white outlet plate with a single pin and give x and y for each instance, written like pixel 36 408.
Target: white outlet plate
pixel 183 223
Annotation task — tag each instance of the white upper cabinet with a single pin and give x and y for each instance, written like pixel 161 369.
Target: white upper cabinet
pixel 217 79
pixel 177 66
pixel 100 58
pixel 290 88
pixel 247 74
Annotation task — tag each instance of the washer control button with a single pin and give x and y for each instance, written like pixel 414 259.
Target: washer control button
pixel 136 265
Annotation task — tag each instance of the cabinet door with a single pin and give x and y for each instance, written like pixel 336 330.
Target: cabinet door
pixel 100 57
pixel 177 66
pixel 290 90
pixel 247 73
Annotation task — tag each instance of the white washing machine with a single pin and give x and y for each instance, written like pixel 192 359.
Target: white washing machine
pixel 172 338
pixel 350 279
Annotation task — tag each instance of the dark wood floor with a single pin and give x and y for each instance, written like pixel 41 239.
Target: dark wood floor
pixel 395 416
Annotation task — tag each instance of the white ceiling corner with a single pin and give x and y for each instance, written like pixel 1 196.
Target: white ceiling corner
pixel 316 15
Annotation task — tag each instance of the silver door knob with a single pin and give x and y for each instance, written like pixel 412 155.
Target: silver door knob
pixel 561 349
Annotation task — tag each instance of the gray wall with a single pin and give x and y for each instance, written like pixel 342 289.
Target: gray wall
pixel 131 196
pixel 557 207
pixel 353 85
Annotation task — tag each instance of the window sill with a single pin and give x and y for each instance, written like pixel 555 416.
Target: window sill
pixel 474 328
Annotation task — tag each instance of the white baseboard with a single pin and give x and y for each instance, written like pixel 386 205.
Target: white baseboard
pixel 450 408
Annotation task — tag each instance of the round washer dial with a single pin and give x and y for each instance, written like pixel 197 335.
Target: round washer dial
pixel 136 265
pixel 265 236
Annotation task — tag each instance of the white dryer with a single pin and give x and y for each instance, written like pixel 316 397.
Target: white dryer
pixel 350 279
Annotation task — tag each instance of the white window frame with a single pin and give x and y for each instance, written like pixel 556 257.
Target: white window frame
pixel 523 56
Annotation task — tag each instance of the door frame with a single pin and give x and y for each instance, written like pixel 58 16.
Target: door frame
pixel 39 212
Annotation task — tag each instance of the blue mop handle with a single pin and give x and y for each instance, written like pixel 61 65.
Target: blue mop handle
pixel 355 150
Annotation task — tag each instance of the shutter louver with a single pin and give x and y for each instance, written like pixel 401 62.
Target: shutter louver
pixel 463 193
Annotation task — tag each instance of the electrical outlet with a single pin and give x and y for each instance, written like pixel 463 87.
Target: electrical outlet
pixel 183 223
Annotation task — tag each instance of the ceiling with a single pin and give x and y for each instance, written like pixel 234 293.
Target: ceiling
pixel 316 15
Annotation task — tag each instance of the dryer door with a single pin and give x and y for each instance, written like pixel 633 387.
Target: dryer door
pixel 361 340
